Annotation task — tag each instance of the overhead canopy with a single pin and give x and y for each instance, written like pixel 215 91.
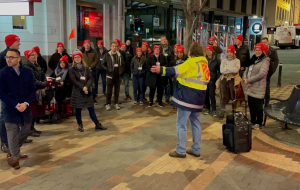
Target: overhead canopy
pixel 160 3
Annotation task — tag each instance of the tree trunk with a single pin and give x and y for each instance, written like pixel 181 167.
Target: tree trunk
pixel 188 35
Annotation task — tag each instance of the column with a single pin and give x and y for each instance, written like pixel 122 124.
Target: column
pixel 106 25
pixel 71 23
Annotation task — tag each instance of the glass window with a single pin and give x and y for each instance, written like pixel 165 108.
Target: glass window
pixel 232 5
pixel 254 6
pixel 19 22
pixel 220 4
pixel 244 6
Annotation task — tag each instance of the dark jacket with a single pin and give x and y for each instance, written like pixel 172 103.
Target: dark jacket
pixel 146 55
pixel 242 54
pixel 79 99
pixel 40 81
pixel 100 57
pixel 129 49
pixel 151 78
pixel 2 60
pixel 128 59
pixel 16 89
pixel 176 61
pixel 136 63
pixel 214 68
pixel 54 60
pixel 274 61
pixel 91 58
pixel 169 54
pixel 108 64
pixel 42 63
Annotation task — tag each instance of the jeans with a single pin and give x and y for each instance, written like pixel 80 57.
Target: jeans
pixel 125 78
pixel 210 98
pixel 256 110
pixel 3 133
pixel 167 91
pixel 91 112
pixel 182 117
pixel 113 83
pixel 101 72
pixel 95 86
pixel 138 85
pixel 16 136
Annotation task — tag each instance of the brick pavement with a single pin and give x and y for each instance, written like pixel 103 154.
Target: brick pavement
pixel 133 154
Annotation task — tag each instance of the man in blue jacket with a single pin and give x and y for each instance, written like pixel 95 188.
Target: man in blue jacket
pixel 17 91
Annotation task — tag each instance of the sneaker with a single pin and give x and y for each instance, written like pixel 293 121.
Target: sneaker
pixel 135 102
pixel 117 107
pixel 207 112
pixel 214 114
pixel 190 152
pixel 95 102
pixel 256 126
pixel 175 154
pixel 150 105
pixel 100 127
pixel 141 103
pixel 161 105
pixel 107 107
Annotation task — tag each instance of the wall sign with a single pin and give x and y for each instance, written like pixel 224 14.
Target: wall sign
pixel 256 28
pixel 95 24
pixel 155 21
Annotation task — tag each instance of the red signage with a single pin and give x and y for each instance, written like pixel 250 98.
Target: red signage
pixel 95 24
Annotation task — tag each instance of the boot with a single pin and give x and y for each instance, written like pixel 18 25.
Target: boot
pixel 100 127
pixel 80 128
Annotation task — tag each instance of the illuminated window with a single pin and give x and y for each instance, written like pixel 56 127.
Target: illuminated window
pixel 19 22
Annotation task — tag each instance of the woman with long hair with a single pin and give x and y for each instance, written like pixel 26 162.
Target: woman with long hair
pixel 81 78
pixel 59 52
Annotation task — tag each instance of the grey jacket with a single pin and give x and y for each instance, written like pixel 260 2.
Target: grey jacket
pixel 256 75
pixel 230 66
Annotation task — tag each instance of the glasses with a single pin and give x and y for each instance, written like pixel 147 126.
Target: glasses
pixel 34 54
pixel 10 57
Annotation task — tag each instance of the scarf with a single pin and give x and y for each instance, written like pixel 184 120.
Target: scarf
pixel 80 67
pixel 255 59
pixel 62 73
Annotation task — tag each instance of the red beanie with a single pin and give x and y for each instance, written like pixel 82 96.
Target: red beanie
pixel 149 50
pixel 180 49
pixel 118 41
pixel 138 49
pixel 231 49
pixel 209 47
pixel 266 50
pixel 239 37
pixel 155 47
pixel 87 41
pixel 210 39
pixel 122 44
pixel 27 53
pixel 60 44
pixel 37 49
pixel 10 39
pixel 176 45
pixel 64 59
pixel 146 44
pixel 259 46
pixel 195 42
pixel 100 42
pixel 77 52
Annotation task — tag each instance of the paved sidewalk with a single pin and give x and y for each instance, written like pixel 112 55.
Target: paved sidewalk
pixel 133 154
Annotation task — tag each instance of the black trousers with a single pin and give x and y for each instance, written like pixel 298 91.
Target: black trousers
pixel 227 91
pixel 256 110
pixel 113 83
pixel 210 98
pixel 160 92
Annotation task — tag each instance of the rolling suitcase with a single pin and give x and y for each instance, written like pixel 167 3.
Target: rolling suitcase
pixel 237 132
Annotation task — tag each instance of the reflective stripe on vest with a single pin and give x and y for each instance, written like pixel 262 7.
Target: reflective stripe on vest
pixel 198 81
pixel 186 104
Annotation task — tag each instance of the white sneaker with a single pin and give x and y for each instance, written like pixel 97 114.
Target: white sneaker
pixel 256 126
pixel 117 107
pixel 107 107
pixel 141 103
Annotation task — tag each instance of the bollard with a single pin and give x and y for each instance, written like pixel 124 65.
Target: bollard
pixel 279 75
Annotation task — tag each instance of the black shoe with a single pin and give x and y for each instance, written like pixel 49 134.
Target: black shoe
pixel 128 97
pixel 80 128
pixel 95 102
pixel 160 105
pixel 100 127
pixel 145 100
pixel 167 100
pixel 150 105
pixel 39 132
pixel 28 141
pixel 34 134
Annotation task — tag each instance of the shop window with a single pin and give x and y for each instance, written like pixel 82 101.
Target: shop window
pixel 254 6
pixel 220 4
pixel 232 5
pixel 19 22
pixel 244 6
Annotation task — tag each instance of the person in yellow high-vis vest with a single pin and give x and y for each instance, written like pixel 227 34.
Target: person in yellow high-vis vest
pixel 192 79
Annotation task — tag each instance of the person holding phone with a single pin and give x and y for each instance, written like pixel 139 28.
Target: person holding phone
pixel 82 80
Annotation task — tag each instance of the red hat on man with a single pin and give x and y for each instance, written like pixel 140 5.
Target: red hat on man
pixel 59 44
pixel 27 53
pixel 138 49
pixel 209 47
pixel 100 42
pixel 212 38
pixel 77 52
pixel 87 41
pixel 122 44
pixel 231 49
pixel 64 59
pixel 146 44
pixel 180 49
pixel 10 39
pixel 37 49
pixel 155 47
pixel 239 37
pixel 118 41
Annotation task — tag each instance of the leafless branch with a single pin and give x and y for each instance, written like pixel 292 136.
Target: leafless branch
pixel 184 6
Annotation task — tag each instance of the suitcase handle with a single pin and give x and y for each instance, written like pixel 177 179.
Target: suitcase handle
pixel 234 105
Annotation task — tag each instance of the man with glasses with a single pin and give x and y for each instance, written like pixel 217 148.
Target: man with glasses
pixel 12 42
pixel 17 91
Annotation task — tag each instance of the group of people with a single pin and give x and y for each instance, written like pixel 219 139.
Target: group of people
pixel 192 81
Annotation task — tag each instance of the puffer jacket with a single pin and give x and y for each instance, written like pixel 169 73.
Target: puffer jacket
pixel 242 54
pixel 256 74
pixel 214 68
pixel 39 77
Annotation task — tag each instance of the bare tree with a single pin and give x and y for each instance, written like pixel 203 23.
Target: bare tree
pixel 191 8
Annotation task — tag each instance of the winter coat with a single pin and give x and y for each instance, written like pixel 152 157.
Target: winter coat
pixel 130 50
pixel 54 60
pixel 214 68
pixel 78 98
pixel 100 57
pixel 136 63
pixel 91 58
pixel 176 61
pixel 152 77
pixel 230 66
pixel 169 54
pixel 16 89
pixel 274 61
pixel 256 74
pixel 42 63
pixel 108 64
pixel 128 59
pixel 146 55
pixel 40 81
pixel 242 54
pixel 2 60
